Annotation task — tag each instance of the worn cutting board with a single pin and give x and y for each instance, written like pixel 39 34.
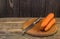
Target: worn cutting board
pixel 35 30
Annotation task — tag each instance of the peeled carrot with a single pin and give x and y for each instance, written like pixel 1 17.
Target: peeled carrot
pixel 46 20
pixel 50 25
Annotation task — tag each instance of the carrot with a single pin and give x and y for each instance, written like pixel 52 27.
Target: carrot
pixel 46 20
pixel 50 25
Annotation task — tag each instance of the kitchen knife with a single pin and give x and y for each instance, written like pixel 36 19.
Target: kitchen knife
pixel 30 26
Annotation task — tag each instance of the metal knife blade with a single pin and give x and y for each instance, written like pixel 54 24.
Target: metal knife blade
pixel 31 25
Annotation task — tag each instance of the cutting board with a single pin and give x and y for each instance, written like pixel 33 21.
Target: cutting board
pixel 35 31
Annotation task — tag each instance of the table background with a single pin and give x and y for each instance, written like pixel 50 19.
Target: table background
pixel 5 25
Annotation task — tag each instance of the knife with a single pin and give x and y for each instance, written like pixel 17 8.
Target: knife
pixel 30 26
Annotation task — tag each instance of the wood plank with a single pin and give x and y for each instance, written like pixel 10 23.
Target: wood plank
pixel 18 26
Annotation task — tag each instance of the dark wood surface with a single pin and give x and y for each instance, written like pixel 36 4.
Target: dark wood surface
pixel 10 23
pixel 25 8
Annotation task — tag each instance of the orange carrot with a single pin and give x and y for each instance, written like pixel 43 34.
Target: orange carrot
pixel 50 24
pixel 46 20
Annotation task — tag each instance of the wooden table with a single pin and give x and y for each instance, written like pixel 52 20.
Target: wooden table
pixel 16 23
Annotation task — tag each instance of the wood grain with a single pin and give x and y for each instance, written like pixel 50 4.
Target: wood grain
pixel 18 35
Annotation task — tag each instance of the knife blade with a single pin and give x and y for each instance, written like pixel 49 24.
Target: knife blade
pixel 31 25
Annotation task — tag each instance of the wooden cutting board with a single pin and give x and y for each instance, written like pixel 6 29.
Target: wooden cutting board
pixel 35 31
